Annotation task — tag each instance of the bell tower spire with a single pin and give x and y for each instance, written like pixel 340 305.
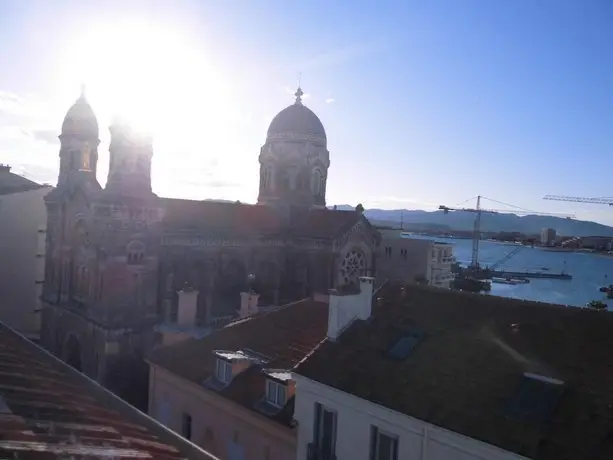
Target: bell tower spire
pixel 131 153
pixel 79 142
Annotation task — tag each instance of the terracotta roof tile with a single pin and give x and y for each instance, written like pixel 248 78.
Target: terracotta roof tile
pixel 50 411
pixel 465 370
pixel 324 223
pixel 224 217
pixel 285 335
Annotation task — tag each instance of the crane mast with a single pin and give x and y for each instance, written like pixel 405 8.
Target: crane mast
pixel 478 211
pixel 474 260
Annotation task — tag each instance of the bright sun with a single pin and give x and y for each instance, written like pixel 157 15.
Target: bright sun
pixel 149 75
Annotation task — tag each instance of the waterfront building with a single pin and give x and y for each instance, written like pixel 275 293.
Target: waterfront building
pixel 408 260
pixel 548 236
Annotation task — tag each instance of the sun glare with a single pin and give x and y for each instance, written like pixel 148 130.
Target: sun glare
pixel 148 75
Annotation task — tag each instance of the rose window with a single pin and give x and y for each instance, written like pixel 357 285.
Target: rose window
pixel 352 267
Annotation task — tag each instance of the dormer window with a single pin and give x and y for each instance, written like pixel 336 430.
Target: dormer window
pixel 275 393
pixel 223 371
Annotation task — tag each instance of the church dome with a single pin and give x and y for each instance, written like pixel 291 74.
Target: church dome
pixel 297 122
pixel 80 119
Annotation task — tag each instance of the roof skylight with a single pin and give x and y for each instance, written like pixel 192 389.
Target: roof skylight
pixel 405 345
pixel 536 398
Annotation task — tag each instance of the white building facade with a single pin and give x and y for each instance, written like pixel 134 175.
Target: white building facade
pixel 336 425
pixel 357 429
pixel 23 220
pixel 548 236
pixel 408 260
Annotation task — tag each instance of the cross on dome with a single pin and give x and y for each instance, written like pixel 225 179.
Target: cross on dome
pixel 299 95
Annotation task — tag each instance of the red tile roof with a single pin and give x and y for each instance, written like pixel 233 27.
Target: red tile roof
pixel 284 335
pixel 223 217
pixel 50 411
pixel 324 223
pixel 230 219
pixel 473 353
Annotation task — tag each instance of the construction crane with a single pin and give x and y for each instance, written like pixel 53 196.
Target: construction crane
pixel 478 210
pixel 578 199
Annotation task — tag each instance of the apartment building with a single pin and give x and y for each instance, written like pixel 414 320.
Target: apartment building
pixel 431 374
pixel 407 260
pixel 231 390
pixel 548 236
pixel 23 219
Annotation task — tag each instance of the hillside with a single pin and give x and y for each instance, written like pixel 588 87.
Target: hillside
pixel 530 224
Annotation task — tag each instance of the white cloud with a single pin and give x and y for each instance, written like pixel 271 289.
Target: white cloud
pixel 330 100
pixel 9 103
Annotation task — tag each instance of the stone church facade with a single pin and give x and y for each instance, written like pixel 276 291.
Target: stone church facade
pixel 117 256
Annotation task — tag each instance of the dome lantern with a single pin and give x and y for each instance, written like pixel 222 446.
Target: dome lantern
pixel 297 122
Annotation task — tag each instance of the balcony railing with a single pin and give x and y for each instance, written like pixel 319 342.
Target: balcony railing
pixel 315 452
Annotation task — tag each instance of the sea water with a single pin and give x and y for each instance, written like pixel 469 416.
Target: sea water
pixel 589 271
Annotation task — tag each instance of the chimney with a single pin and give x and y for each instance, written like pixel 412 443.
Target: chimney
pixel 188 306
pixel 344 308
pixel 366 290
pixel 5 168
pixel 249 304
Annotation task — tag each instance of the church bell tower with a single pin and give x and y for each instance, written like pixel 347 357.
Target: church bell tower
pixel 78 143
pixel 131 153
pixel 294 161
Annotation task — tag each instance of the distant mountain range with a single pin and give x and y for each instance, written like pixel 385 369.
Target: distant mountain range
pixel 499 222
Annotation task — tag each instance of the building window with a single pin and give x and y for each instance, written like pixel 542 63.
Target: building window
pixel 383 446
pixel 275 393
pixel 186 426
pixel 135 253
pixel 325 431
pixel 318 183
pixel 223 371
pixel 388 251
pixel 403 253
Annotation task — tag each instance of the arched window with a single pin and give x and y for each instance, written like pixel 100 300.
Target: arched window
pixel 282 182
pixel 135 253
pixel 318 183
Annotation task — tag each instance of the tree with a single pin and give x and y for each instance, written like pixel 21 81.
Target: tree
pixel 597 305
pixel 359 208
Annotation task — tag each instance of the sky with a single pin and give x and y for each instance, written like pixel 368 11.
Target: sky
pixel 425 102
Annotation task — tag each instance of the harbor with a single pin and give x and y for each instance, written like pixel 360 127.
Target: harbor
pixel 585 272
pixel 528 274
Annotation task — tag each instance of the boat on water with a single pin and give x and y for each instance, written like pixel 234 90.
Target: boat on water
pixel 510 280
